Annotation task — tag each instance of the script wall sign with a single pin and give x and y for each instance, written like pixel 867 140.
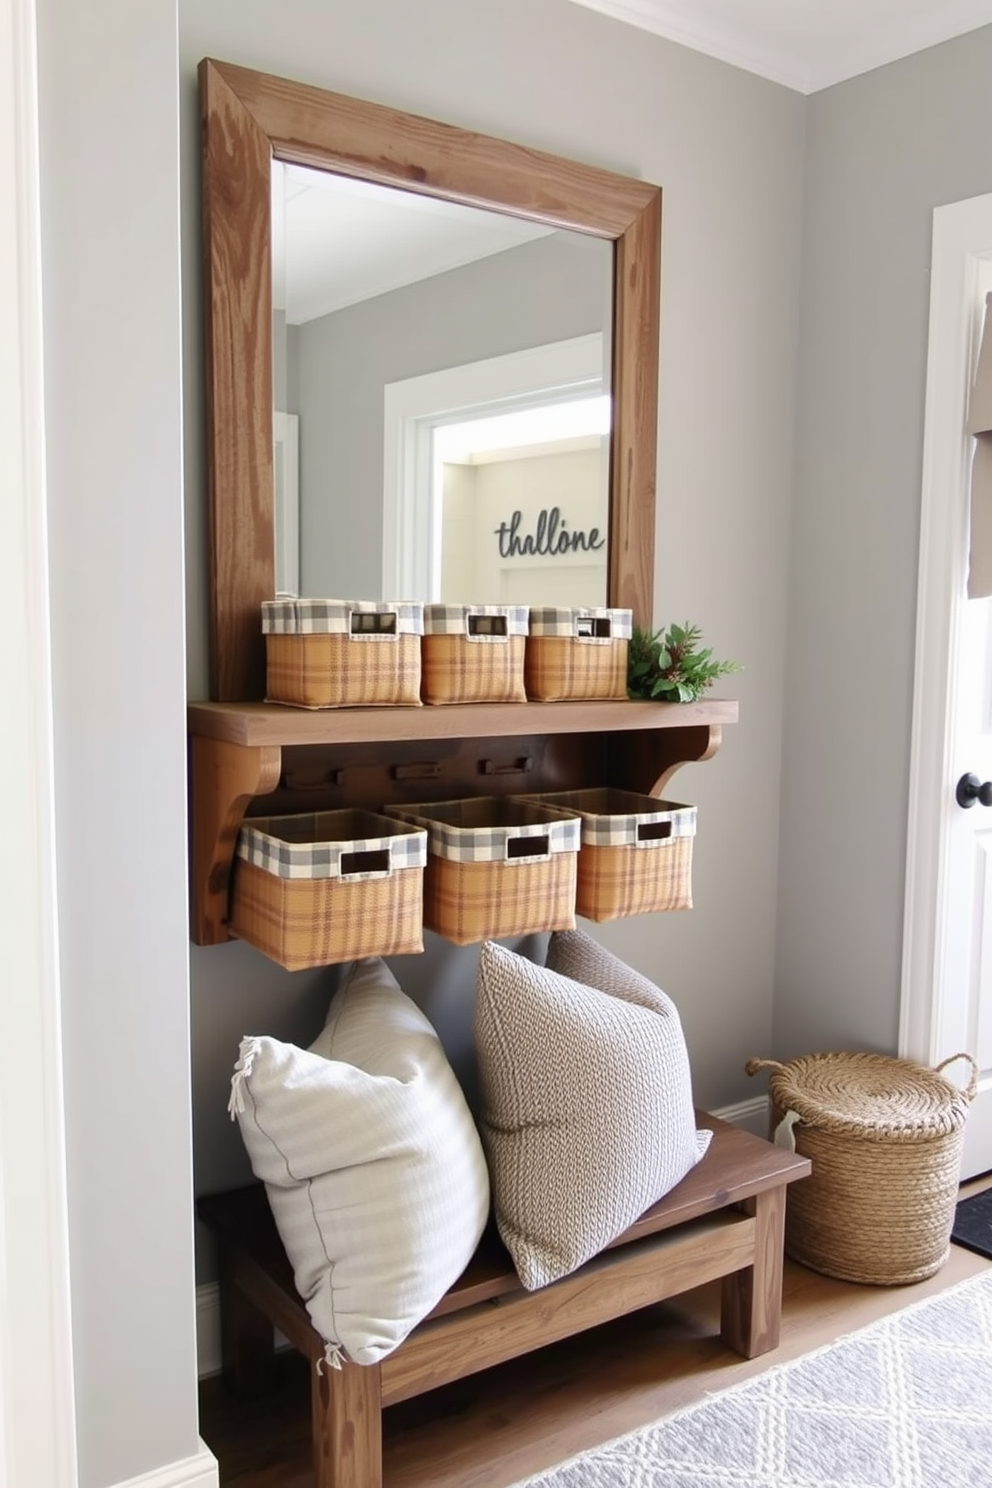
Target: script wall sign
pixel 551 537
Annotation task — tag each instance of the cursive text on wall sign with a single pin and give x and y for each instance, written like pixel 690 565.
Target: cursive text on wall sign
pixel 551 536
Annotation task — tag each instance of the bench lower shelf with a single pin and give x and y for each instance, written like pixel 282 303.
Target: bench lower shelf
pixel 725 1220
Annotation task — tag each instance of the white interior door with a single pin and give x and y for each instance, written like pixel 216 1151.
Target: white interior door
pixel 964 1014
pixel 947 952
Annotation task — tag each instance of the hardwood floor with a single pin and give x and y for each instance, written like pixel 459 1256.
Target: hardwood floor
pixel 493 1429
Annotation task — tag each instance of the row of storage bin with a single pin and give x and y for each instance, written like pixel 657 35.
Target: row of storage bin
pixel 332 886
pixel 329 653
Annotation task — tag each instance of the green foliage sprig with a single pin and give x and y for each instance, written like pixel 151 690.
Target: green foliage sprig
pixel 670 666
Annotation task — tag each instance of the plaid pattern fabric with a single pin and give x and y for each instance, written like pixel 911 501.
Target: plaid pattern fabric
pixel 332 671
pixel 312 846
pixel 620 818
pixel 449 619
pixel 320 921
pixel 483 829
pixel 457 670
pixel 615 882
pixel 626 868
pixel 471 901
pixel 558 620
pixel 335 617
pixel 560 667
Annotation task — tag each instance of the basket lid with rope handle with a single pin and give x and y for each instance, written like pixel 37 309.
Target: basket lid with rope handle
pixel 870 1095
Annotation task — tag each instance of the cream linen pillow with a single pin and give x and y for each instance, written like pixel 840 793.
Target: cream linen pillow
pixel 586 1101
pixel 371 1160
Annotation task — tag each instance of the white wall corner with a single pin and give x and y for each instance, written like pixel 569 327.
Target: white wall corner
pixel 752 1115
pixel 199 1471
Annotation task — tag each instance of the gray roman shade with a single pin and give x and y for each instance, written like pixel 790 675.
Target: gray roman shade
pixel 980 424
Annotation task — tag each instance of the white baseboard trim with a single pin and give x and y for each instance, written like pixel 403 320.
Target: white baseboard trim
pixel 752 1115
pixel 192 1472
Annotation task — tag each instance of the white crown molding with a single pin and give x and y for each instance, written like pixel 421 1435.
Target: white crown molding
pixel 768 37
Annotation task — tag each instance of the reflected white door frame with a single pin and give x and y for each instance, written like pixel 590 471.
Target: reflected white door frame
pixel 415 407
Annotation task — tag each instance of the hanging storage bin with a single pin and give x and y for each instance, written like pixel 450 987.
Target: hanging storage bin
pixel 330 886
pixel 496 867
pixel 474 653
pixel 577 653
pixel 885 1137
pixel 636 852
pixel 340 653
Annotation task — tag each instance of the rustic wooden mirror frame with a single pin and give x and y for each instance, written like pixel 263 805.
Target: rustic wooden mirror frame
pixel 249 119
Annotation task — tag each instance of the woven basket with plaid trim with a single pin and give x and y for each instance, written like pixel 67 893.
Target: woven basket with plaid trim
pixel 474 653
pixel 496 867
pixel 636 852
pixel 577 653
pixel 339 653
pixel 329 886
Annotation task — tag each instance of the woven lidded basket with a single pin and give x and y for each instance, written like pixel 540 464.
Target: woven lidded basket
pixel 884 1136
pixel 635 855
pixel 495 867
pixel 340 653
pixel 329 886
pixel 474 653
pixel 577 653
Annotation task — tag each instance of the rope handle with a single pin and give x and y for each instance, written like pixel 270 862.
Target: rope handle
pixel 971 1090
pixel 754 1065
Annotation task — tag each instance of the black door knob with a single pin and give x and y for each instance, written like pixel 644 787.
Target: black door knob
pixel 971 789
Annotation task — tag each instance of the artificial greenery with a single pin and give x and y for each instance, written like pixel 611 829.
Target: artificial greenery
pixel 670 666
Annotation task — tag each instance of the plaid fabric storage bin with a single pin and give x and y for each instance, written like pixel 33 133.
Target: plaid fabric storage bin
pixel 496 867
pixel 636 852
pixel 577 653
pixel 329 886
pixel 474 653
pixel 339 653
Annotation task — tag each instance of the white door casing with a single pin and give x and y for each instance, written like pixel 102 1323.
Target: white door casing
pixel 946 1004
pixel 37 1422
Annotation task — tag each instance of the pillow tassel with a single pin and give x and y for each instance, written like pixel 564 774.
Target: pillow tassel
pixel 332 1356
pixel 247 1050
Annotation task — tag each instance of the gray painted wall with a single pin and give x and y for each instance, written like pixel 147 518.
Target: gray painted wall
pixel 109 158
pixel 727 148
pixel 548 290
pixel 882 151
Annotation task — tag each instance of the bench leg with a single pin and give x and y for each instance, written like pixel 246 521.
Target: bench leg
pixel 247 1338
pixel 346 1412
pixel 751 1307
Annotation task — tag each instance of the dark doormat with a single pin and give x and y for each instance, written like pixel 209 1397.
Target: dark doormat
pixel 973 1223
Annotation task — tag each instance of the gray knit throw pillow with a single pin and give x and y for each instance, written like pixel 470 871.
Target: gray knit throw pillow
pixel 586 1108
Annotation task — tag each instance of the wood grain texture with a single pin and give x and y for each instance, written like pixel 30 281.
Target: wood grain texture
pixel 719 1222
pixel 236 192
pixel 259 723
pixel 500 1426
pixel 346 1412
pixel 616 1282
pixel 224 778
pixel 249 118
pixel 751 1306
pixel 633 451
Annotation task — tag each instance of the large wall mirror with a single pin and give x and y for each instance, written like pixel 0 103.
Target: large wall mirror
pixel 432 364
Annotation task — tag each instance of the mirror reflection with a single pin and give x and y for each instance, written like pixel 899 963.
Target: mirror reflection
pixel 442 409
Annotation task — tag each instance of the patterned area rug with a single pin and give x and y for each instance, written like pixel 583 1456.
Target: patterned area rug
pixel 903 1403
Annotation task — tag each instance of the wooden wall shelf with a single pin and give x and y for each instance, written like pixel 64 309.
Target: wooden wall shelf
pixel 257 758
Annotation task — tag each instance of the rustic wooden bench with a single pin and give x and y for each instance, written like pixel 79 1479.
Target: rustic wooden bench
pixel 724 1220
